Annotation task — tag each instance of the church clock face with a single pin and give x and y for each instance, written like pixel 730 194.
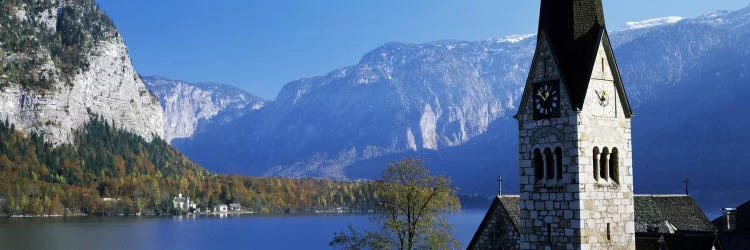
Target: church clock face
pixel 604 94
pixel 546 98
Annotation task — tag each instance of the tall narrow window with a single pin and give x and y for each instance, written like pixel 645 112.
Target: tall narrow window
pixel 614 166
pixel 603 162
pixel 538 165
pixel 559 159
pixel 602 65
pixel 549 163
pixel 596 163
pixel 609 233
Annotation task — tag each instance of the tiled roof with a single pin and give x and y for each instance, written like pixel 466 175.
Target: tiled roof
pixel 512 202
pixel 681 211
pixel 509 205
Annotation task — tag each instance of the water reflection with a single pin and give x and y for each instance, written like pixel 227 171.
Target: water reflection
pixel 194 232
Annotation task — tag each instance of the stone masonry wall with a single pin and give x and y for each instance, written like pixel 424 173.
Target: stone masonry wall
pixel 605 201
pixel 573 212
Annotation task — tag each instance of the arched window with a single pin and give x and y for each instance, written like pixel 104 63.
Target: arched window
pixel 559 159
pixel 614 166
pixel 549 163
pixel 603 162
pixel 596 163
pixel 538 165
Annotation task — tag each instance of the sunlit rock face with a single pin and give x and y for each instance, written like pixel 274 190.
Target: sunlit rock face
pixel 194 107
pixel 108 86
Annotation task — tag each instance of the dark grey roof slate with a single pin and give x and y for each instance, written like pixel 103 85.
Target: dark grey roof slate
pixel 573 29
pixel 510 205
pixel 681 211
pixel 512 202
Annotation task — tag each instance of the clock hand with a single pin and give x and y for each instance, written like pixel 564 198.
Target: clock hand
pixel 542 96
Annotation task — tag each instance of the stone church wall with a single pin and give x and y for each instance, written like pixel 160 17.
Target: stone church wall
pixel 605 201
pixel 575 211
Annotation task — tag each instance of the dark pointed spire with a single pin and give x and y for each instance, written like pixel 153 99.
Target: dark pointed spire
pixel 574 29
pixel 572 19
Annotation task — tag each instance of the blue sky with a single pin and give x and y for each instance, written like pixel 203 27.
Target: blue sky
pixel 261 45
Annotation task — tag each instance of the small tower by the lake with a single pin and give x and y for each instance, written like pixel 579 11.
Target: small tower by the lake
pixel 574 121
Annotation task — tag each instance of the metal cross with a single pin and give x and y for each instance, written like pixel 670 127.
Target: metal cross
pixel 500 185
pixel 686 181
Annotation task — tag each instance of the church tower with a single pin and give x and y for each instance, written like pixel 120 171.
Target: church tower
pixel 574 136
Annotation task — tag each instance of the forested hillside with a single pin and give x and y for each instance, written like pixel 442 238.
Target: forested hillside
pixel 108 171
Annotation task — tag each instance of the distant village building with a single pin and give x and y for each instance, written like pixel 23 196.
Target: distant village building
pixel 221 208
pixel 183 203
pixel 575 153
pixel 235 207
pixel 107 199
pixel 734 227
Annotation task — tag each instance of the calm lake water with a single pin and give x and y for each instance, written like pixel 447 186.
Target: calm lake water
pixel 231 232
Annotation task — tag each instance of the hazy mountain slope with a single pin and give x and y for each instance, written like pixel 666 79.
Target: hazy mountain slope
pixel 60 61
pixel 399 98
pixel 698 128
pixel 190 107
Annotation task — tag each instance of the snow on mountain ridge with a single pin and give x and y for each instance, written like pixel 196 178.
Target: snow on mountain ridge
pixel 514 38
pixel 648 23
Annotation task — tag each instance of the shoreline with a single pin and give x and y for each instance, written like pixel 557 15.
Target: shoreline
pixel 187 215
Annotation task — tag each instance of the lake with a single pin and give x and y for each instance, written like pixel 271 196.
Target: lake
pixel 210 232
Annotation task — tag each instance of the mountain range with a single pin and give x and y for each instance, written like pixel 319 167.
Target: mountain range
pixel 451 102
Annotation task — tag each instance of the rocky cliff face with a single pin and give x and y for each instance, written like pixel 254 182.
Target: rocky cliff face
pixel 63 61
pixel 194 107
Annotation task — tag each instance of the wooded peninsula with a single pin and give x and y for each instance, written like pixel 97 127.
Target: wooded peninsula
pixel 109 171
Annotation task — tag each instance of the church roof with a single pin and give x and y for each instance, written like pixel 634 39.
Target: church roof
pixel 512 201
pixel 680 211
pixel 574 29
pixel 509 206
